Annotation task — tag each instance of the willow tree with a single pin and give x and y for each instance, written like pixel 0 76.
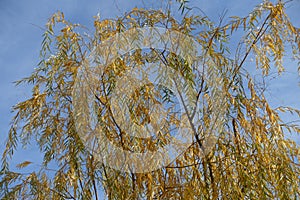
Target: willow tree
pixel 249 157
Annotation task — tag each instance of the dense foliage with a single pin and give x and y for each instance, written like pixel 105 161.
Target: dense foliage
pixel 251 158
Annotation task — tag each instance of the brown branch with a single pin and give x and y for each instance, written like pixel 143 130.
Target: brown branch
pixel 259 34
pixel 164 60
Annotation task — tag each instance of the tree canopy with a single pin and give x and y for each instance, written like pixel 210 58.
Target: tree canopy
pixel 250 156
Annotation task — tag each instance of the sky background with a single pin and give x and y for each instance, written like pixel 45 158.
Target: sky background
pixel 21 37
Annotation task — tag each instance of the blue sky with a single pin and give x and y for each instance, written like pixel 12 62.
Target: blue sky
pixel 20 39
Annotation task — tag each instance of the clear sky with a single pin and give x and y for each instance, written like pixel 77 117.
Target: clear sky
pixel 20 39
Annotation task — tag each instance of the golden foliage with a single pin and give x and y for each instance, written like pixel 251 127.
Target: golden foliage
pixel 252 159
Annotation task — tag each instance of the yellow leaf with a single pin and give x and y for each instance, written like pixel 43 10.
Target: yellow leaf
pixel 23 164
